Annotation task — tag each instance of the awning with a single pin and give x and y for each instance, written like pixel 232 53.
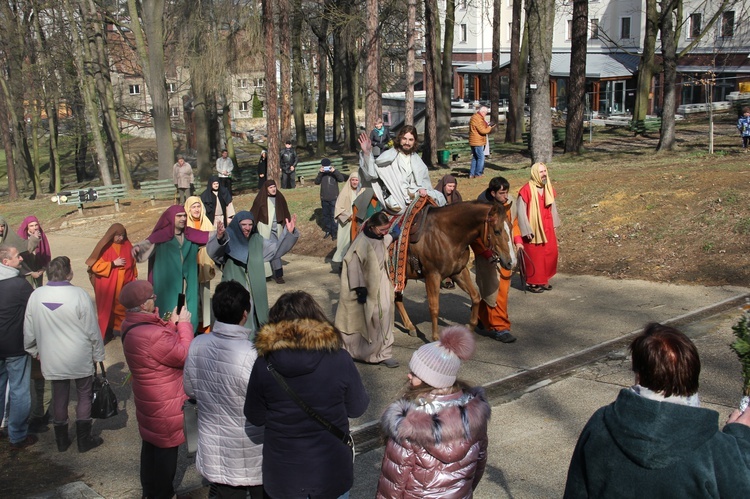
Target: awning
pixel 597 65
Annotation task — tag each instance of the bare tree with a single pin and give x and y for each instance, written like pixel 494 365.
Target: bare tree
pixel 429 152
pixel 298 83
pixel 541 17
pixel 410 60
pixel 515 104
pixel 669 58
pixel 577 80
pixel 444 76
pixel 5 126
pixel 285 69
pixel 495 74
pixel 373 102
pixel 272 107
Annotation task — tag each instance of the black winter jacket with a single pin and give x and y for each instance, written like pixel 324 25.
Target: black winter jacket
pixel 15 292
pixel 288 159
pixel 329 184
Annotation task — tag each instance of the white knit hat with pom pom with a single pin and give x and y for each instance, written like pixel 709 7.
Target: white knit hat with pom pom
pixel 437 363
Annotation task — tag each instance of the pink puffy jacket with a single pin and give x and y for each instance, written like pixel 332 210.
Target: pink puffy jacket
pixel 432 452
pixel 156 351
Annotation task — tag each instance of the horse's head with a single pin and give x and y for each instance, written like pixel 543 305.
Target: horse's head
pixel 500 237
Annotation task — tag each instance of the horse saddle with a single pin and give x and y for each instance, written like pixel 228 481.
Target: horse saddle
pixel 417 224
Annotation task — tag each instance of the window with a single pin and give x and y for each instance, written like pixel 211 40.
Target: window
pixel 461 4
pixel 624 28
pixel 595 29
pixel 244 105
pixel 569 30
pixel 463 33
pixel 135 89
pixel 392 66
pixel 242 83
pixel 510 30
pixel 136 115
pixel 727 24
pixel 694 26
pixel 174 112
pixel 259 82
pixel 171 87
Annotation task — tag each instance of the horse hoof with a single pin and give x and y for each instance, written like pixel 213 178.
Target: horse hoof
pixel 413 333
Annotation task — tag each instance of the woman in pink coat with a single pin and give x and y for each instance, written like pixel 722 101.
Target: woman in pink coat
pixel 155 351
pixel 437 432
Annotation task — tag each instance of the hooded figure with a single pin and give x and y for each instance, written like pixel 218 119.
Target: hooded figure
pixel 343 212
pixel 451 193
pixel 10 238
pixel 241 254
pixel 111 266
pixel 37 253
pixel 172 260
pixel 270 211
pixel 206 267
pixel 218 202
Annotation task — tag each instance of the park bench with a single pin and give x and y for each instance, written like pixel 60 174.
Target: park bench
pixel 158 189
pixel 307 169
pixel 80 196
pixel 558 137
pixel 645 126
pixel 245 179
pixel 458 148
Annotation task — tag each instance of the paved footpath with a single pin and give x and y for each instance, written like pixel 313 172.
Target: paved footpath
pixel 533 431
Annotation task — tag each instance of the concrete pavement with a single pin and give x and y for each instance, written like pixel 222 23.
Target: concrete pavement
pixel 531 437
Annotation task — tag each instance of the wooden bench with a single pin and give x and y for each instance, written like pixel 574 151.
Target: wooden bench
pixel 245 179
pixel 307 169
pixel 80 196
pixel 645 126
pixel 460 147
pixel 158 189
pixel 558 137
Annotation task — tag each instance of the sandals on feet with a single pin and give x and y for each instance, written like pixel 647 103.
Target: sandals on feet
pixel 533 288
pixel 546 287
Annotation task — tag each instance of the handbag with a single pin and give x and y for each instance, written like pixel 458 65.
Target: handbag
pixel 344 438
pixel 103 398
pixel 190 425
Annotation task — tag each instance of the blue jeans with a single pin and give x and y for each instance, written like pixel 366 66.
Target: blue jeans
pixel 19 378
pixel 477 161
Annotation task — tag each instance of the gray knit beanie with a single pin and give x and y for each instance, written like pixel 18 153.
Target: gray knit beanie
pixel 437 363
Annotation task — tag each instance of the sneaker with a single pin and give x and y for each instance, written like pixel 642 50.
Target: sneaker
pixel 26 442
pixel 504 336
pixel 390 363
pixel 279 280
pixel 326 235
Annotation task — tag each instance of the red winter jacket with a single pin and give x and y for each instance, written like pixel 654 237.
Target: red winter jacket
pixel 435 456
pixel 156 353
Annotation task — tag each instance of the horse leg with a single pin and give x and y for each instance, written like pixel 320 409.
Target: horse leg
pixel 405 317
pixel 464 281
pixel 432 284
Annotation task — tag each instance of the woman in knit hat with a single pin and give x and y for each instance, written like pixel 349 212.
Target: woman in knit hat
pixel 437 432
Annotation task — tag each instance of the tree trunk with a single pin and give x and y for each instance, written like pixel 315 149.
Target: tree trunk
pixel 577 80
pixel 285 66
pixel 272 107
pixel 350 102
pixel 373 102
pixel 339 92
pixel 646 64
pixel 202 132
pixel 298 82
pixel 410 61
pixel 5 124
pixel 34 111
pixel 323 97
pixel 495 74
pixel 54 154
pixel 446 77
pixel 429 151
pixel 513 118
pixel 669 56
pixel 523 77
pixel 226 121
pixel 151 52
pixel 541 15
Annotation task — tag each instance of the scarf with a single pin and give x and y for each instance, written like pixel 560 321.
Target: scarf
pixel 206 266
pixel 346 198
pixel 260 206
pixel 164 228
pixel 44 253
pixel 535 217
pixel 453 197
pixel 689 400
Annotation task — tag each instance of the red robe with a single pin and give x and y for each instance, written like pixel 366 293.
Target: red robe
pixel 541 259
pixel 108 282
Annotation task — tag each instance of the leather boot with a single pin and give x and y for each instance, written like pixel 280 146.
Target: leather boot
pixel 61 437
pixel 86 441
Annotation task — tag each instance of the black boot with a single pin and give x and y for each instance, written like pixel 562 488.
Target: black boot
pixel 86 441
pixel 62 438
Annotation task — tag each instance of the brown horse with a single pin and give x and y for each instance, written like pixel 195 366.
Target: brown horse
pixel 443 251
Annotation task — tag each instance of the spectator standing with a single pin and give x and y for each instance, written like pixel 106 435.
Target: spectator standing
pixel 288 161
pixel 241 254
pixel 172 252
pixel 198 220
pixel 37 253
pixel 15 363
pixel 217 201
pixel 271 214
pixel 217 372
pixel 743 125
pixel 301 458
pixel 478 131
pixel 225 165
pixel 365 313
pixel 494 281
pixel 538 220
pixel 655 440
pixel 344 213
pixel 155 351
pixel 182 174
pixel 111 266
pixel 328 179
pixel 262 168
pixel 380 136
pixel 437 432
pixel 61 327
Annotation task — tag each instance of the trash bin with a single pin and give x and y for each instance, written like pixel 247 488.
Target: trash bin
pixel 444 156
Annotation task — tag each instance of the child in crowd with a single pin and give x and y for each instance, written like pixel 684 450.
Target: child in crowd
pixel 437 432
pixel 743 125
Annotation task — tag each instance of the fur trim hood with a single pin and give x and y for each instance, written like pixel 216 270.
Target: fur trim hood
pixel 300 334
pixel 465 422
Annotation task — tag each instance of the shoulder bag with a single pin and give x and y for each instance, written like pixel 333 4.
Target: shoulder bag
pixel 103 398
